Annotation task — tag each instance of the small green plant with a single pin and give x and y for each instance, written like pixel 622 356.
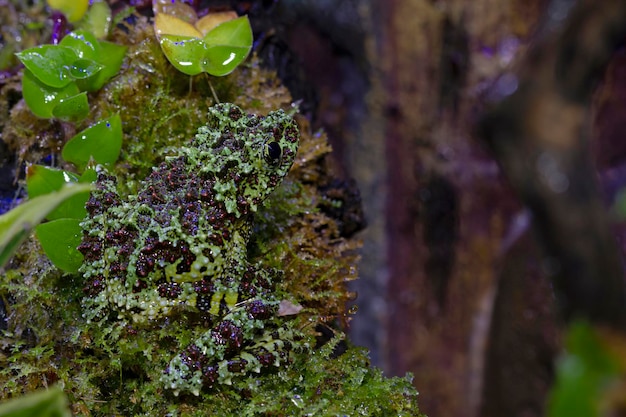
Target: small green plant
pixel 42 180
pixel 59 196
pixel 59 237
pixel 212 45
pixel 100 143
pixel 55 84
pixel 57 77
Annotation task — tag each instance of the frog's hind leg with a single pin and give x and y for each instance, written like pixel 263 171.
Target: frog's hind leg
pixel 230 349
pixel 247 338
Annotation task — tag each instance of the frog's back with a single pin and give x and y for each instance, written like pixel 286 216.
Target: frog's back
pixel 189 222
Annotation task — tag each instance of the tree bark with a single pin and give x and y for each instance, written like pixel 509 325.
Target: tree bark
pixel 539 135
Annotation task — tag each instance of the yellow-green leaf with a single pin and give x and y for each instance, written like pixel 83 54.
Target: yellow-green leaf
pixel 228 44
pixel 187 54
pixel 72 9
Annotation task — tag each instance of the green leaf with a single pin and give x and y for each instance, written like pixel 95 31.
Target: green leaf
pixel 83 43
pixel 72 109
pixel 49 63
pixel 99 60
pixel 46 403
pixel 101 142
pixel 8 247
pixel 90 175
pixel 84 68
pixel 80 57
pixel 584 375
pixel 59 240
pixel 41 98
pixel 185 53
pixel 41 180
pixel 15 224
pixel 228 45
pixel 110 58
pixel 74 10
pixel 98 19
pixel 222 60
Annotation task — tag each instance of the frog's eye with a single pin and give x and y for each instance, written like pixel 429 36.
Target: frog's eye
pixel 273 153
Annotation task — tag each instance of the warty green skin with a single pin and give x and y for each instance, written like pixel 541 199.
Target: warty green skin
pixel 181 243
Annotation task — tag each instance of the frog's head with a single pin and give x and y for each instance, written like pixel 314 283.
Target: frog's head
pixel 249 155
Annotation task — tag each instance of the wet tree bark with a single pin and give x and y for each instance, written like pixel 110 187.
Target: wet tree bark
pixel 456 266
pixel 443 227
pixel 540 136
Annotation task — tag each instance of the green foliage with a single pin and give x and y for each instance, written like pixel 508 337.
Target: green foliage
pixel 72 109
pixel 48 403
pixel 42 180
pixel 59 239
pixel 55 84
pixel 42 99
pixel 72 9
pixel 218 53
pixel 101 143
pixel 57 76
pixel 15 224
pixel 97 20
pixel 110 56
pixel 228 45
pixel 50 64
pixel 584 373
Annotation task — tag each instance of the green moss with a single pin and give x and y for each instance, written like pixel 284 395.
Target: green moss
pixel 323 385
pixel 28 353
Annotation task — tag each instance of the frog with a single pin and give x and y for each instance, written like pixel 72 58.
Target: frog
pixel 181 243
